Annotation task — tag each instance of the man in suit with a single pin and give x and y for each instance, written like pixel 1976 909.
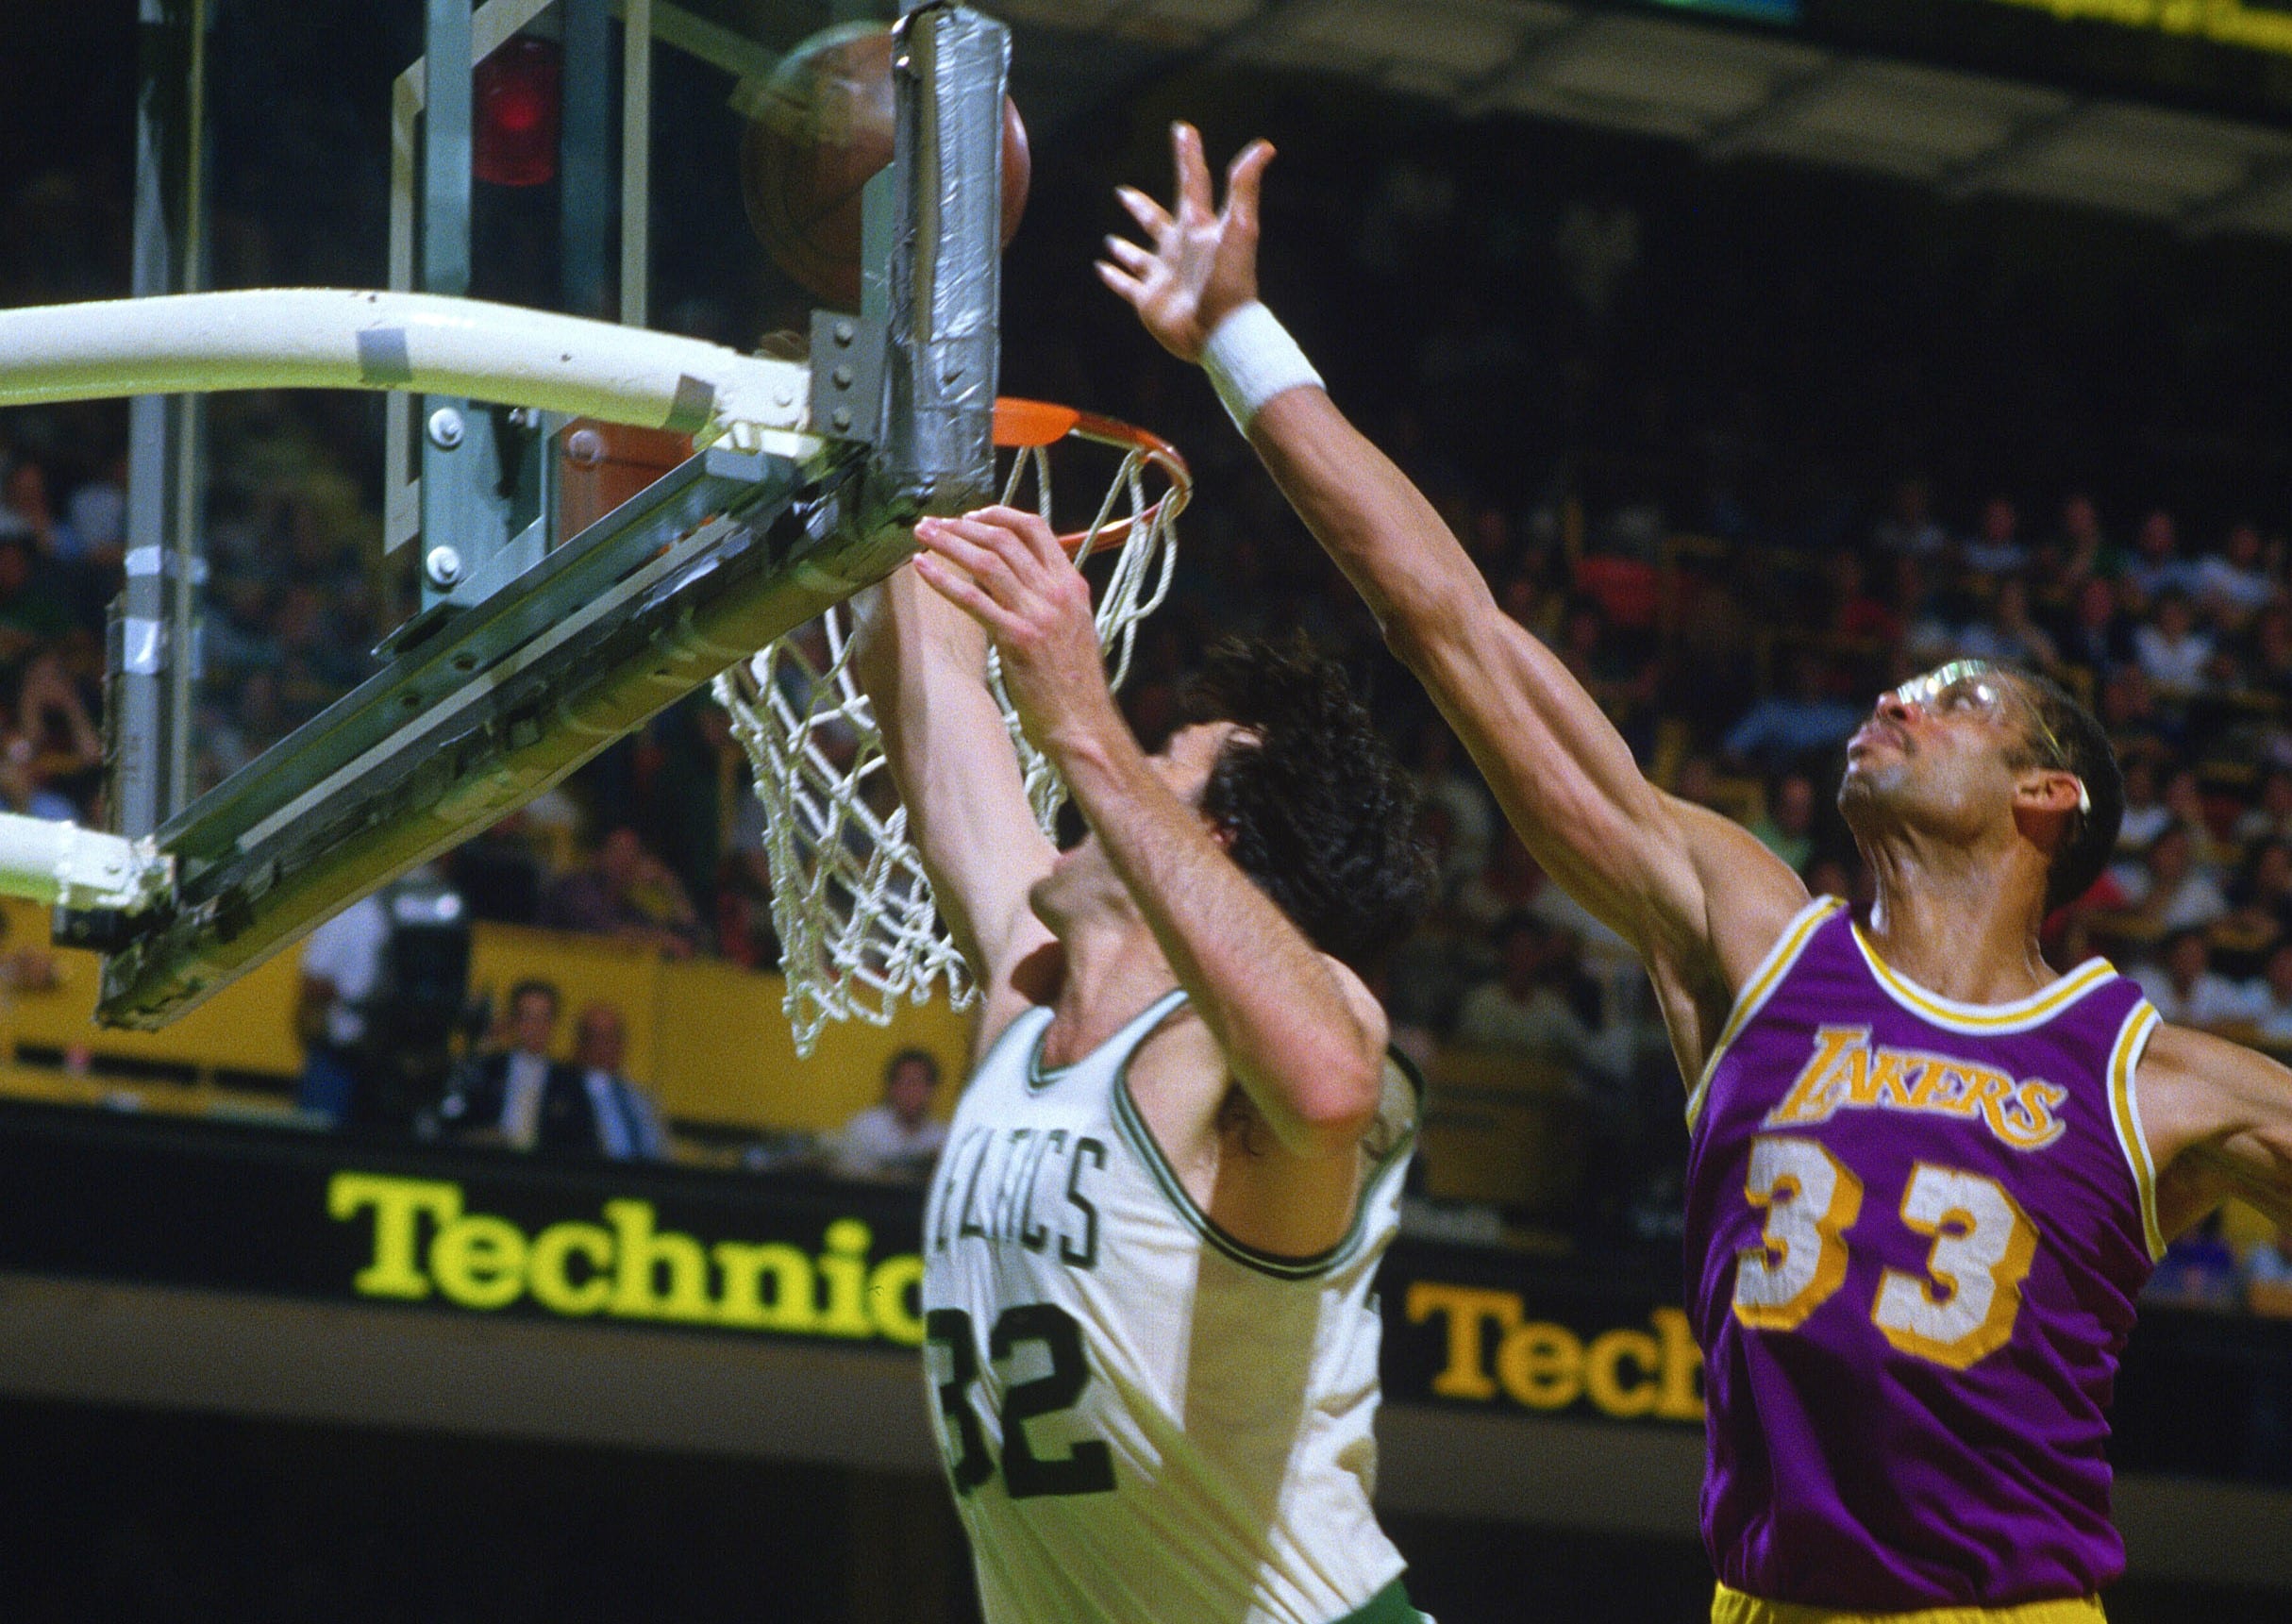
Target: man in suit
pixel 519 1097
pixel 628 1126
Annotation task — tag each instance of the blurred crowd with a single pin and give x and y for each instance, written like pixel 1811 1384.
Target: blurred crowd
pixel 1738 503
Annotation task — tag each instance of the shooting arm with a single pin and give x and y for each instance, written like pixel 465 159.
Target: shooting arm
pixel 1640 861
pixel 1644 862
pixel 924 664
pixel 1302 1037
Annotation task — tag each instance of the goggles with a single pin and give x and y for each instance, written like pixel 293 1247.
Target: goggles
pixel 1975 687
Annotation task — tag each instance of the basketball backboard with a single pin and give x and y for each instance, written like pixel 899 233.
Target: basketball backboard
pixel 537 648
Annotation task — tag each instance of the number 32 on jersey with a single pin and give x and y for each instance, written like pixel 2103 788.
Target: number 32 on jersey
pixel 1960 1310
pixel 1088 1466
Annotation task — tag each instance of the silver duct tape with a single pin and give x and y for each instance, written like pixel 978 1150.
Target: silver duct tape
pixel 695 403
pixel 143 647
pixel 944 339
pixel 383 360
pixel 146 561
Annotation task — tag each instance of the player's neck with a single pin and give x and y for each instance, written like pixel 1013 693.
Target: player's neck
pixel 1114 970
pixel 1957 924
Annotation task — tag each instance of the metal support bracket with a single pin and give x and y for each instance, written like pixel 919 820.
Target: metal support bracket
pixel 846 376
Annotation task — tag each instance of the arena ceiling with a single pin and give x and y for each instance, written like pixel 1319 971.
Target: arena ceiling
pixel 1732 91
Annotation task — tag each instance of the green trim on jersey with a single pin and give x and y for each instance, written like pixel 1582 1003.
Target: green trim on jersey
pixel 1134 1031
pixel 1150 1152
pixel 1390 1605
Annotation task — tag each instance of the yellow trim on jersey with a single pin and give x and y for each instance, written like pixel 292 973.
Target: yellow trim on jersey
pixel 1759 988
pixel 2125 1115
pixel 2018 1015
pixel 1731 1606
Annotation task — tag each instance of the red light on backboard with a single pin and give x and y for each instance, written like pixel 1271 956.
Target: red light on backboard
pixel 516 102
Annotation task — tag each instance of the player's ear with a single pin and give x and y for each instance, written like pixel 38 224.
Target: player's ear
pixel 2051 789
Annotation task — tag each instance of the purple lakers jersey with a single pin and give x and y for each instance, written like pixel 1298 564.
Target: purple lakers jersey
pixel 1915 1228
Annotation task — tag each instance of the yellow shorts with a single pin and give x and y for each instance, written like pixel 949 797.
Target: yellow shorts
pixel 1731 1606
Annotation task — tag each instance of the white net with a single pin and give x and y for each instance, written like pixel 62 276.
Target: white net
pixel 857 926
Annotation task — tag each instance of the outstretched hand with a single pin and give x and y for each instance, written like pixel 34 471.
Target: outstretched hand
pixel 1203 263
pixel 1005 568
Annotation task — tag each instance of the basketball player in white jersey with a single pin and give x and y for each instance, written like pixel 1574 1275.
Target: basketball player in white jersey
pixel 1151 1239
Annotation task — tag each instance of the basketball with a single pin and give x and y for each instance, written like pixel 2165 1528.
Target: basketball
pixel 821 131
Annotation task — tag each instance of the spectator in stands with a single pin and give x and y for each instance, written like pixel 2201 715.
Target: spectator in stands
pixel 2266 654
pixel 2198 1270
pixel 1782 730
pixel 2006 633
pixel 1511 881
pixel 2097 639
pixel 26 969
pixel 2267 1279
pixel 2187 992
pixel 24 499
pixel 2156 565
pixel 2083 552
pixel 2184 798
pixel 896 1139
pixel 2172 652
pixel 745 931
pixel 2271 1014
pixel 2233 584
pixel 1786 826
pixel 2146 813
pixel 518 1097
pixel 1909 528
pixel 342 970
pixel 2137 726
pixel 625 893
pixel 2270 816
pixel 2261 914
pixel 30 616
pixel 2174 892
pixel 629 1127
pixel 1450 785
pixel 1996 549
pixel 1522 1012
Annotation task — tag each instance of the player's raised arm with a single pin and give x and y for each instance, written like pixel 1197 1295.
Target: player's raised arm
pixel 924 664
pixel 1302 1035
pixel 1643 862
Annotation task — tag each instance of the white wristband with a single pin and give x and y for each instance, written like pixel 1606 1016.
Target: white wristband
pixel 1251 358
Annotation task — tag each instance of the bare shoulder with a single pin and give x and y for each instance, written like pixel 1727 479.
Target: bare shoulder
pixel 1749 896
pixel 2217 1121
pixel 2194 1086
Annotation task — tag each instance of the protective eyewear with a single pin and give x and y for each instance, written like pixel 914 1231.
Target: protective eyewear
pixel 1975 687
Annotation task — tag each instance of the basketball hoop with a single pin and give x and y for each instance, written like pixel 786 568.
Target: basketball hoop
pixel 858 926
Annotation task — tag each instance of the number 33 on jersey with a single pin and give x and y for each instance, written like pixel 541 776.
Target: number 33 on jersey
pixel 1919 1227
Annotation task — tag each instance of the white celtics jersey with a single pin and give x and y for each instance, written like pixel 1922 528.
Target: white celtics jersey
pixel 1143 1420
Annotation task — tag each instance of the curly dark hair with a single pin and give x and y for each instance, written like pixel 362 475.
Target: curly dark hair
pixel 2072 739
pixel 1322 816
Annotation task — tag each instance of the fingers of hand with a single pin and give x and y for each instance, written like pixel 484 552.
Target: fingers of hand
pixel 1129 255
pixel 1031 530
pixel 1152 218
pixel 1193 172
pixel 1244 178
pixel 1128 287
pixel 962 592
pixel 984 552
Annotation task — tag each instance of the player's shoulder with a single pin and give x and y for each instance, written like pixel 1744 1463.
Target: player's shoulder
pixel 2194 1087
pixel 1751 898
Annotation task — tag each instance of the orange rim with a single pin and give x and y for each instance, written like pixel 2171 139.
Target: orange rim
pixel 1037 424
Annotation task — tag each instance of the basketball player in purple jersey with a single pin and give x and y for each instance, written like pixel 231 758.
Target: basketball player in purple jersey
pixel 1928 1176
